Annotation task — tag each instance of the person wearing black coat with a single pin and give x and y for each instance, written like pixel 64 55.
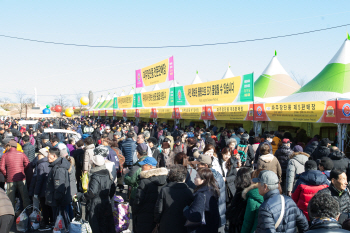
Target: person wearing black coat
pixel 172 199
pixel 146 197
pixel 78 155
pixel 322 150
pixel 340 161
pixel 98 205
pixel 283 154
pixel 311 147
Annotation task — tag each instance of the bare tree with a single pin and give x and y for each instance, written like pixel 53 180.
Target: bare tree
pixel 301 80
pixel 30 102
pixel 62 100
pixel 5 103
pixel 77 98
pixel 21 101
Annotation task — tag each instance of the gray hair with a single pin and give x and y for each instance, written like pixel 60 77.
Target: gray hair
pixel 231 140
pixel 147 134
pixel 272 186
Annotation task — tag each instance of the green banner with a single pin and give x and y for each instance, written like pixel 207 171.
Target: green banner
pixel 177 94
pixel 115 103
pixel 247 88
pixel 137 101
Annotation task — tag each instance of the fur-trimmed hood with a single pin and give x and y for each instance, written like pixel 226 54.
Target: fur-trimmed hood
pixel 154 172
pixel 267 158
pixel 246 190
pixel 72 163
pixel 299 153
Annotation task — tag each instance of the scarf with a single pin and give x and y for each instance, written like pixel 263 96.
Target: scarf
pixel 100 168
pixel 322 220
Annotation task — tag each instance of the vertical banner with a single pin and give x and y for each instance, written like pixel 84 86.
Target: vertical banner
pixel 137 113
pixel 177 96
pixel 247 88
pixel 137 101
pixel 106 113
pixel 114 113
pixel 154 74
pixel 115 103
pixel 99 113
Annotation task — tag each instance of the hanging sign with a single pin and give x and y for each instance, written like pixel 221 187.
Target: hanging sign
pixel 125 101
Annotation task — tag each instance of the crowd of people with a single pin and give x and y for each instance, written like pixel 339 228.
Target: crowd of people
pixel 187 179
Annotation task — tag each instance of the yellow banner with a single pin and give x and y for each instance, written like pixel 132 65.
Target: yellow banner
pixel 231 112
pixel 109 112
pixel 119 113
pixel 156 73
pixel 191 113
pixel 164 113
pixel 216 92
pixel 145 113
pixel 155 98
pixel 130 112
pixel 125 101
pixel 300 111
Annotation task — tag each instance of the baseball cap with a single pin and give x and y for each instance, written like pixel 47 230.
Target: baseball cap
pixel 285 140
pixel 325 142
pixel 150 161
pixel 241 130
pixel 204 159
pixel 85 136
pixel 44 152
pixel 266 177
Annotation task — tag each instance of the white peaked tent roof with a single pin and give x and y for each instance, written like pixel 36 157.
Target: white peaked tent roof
pixel 156 88
pixel 143 90
pixel 122 94
pixel 174 84
pixel 132 92
pixel 228 73
pixel 197 80
pixel 331 83
pixel 95 103
pixel 104 104
pixel 274 83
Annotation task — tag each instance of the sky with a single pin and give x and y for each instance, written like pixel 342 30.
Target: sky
pixel 66 70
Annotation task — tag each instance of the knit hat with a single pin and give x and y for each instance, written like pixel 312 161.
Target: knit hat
pixel 142 149
pixel 310 165
pixel 98 160
pixel 327 163
pixel 210 141
pixel 298 148
pixel 245 136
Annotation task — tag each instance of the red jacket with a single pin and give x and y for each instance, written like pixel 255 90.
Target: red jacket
pixel 12 165
pixel 306 187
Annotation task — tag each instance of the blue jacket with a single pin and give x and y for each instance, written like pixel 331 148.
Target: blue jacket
pixel 42 170
pixel 112 156
pixel 128 150
pixel 270 210
pixel 79 131
pixel 204 202
pixel 311 177
pixel 222 197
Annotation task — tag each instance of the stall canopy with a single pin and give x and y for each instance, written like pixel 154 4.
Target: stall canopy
pixel 197 79
pixel 274 83
pixel 105 102
pixel 228 73
pixel 332 82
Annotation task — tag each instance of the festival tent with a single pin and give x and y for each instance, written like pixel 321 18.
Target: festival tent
pixel 174 84
pixel 228 73
pixel 274 83
pixel 132 91
pixel 100 102
pixel 156 88
pixel 331 83
pixel 122 94
pixel 110 102
pixel 105 102
pixel 196 79
pixel 143 90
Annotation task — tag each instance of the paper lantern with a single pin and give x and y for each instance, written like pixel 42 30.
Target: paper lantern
pixel 46 111
pixel 84 100
pixel 58 108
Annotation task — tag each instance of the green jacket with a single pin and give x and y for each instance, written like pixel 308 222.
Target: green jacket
pixel 254 200
pixel 133 177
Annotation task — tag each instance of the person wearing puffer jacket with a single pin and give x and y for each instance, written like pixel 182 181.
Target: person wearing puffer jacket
pixel 268 161
pixel 254 200
pixel 89 154
pixel 311 147
pixel 283 154
pixel 293 219
pixel 295 166
pixel 340 161
pixel 308 184
pixel 322 150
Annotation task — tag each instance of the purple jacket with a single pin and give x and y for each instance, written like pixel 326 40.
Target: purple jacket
pixel 70 148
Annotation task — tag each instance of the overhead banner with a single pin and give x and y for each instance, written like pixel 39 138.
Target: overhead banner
pixel 215 92
pixel 157 73
pixel 125 101
pixel 177 96
pixel 165 113
pixel 155 98
pixel 230 112
pixel 191 113
pixel 145 113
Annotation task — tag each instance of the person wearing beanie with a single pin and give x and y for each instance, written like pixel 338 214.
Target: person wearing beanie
pixel 152 180
pixel 166 157
pixel 98 196
pixel 309 183
pixel 296 165
pixel 340 161
pixel 325 166
pixel 322 149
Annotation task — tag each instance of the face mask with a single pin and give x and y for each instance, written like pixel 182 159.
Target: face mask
pixel 270 140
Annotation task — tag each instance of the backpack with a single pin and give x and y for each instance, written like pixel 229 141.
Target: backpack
pixel 121 214
pixel 242 150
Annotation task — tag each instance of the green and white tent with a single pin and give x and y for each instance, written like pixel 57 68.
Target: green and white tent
pixel 274 83
pixel 100 102
pixel 332 82
pixel 105 102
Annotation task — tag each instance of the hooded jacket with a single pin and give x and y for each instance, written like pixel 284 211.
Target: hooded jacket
pixel 308 184
pixel 270 210
pixel 270 162
pixel 283 154
pixel 340 162
pixel 88 155
pixel 254 200
pixel 309 149
pixel 296 165
pixel 58 184
pixel 146 197
pixel 42 171
pixel 321 151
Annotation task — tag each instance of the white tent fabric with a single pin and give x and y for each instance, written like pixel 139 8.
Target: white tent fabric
pixel 143 90
pixel 132 92
pixel 197 80
pixel 228 73
pixel 156 88
pixel 174 84
pixel 122 94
